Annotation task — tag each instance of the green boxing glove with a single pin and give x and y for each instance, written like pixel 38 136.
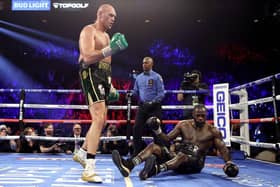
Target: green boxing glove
pixel 113 95
pixel 117 44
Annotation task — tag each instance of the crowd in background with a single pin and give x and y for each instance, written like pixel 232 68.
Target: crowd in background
pixel 25 144
pixel 258 132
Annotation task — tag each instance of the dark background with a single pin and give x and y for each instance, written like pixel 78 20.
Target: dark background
pixel 235 38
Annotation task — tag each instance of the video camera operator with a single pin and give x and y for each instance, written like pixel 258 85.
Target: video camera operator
pixel 192 81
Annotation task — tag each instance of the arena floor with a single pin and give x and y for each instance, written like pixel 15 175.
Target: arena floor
pixel 38 170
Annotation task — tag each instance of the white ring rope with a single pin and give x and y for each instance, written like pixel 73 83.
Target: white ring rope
pixel 85 107
pixel 115 107
pixel 255 144
pixel 257 82
pixel 238 106
pixel 117 138
pixel 70 139
pixel 250 84
pixel 42 90
pixel 80 91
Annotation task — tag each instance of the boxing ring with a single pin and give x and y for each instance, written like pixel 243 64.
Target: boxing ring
pixel 60 171
pixel 18 169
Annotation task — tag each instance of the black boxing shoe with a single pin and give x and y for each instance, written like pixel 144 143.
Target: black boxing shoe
pixel 124 166
pixel 150 169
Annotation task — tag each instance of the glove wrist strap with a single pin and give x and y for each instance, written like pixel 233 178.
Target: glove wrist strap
pixel 229 162
pixel 107 51
pixel 158 131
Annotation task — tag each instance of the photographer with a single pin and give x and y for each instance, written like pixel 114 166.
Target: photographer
pixel 27 145
pixel 50 146
pixel 191 81
pixel 6 145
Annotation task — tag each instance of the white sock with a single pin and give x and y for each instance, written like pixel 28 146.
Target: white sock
pixel 90 165
pixel 82 154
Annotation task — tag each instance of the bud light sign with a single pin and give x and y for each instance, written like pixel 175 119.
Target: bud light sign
pixel 31 5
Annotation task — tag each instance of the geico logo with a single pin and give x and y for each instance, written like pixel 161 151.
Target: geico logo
pixel 221 119
pixel 221 125
pixel 220 96
pixel 70 5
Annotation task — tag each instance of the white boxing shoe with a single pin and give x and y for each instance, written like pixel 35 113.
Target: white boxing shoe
pixel 89 174
pixel 80 157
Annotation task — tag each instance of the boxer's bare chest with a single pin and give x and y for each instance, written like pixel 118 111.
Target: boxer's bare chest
pixel 101 40
pixel 198 136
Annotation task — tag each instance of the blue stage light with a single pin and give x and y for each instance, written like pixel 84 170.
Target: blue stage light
pixel 47 48
pixel 13 77
pixel 52 37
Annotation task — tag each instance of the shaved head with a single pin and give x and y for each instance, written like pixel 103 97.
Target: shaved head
pixel 105 8
pixel 147 63
pixel 106 16
pixel 148 59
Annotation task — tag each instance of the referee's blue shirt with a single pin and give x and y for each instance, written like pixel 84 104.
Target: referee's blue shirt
pixel 149 87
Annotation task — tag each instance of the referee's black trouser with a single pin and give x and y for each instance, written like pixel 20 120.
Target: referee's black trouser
pixel 143 113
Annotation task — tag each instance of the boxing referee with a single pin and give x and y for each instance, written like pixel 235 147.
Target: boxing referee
pixel 149 88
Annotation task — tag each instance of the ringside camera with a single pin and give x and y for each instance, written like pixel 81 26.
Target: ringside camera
pixel 190 76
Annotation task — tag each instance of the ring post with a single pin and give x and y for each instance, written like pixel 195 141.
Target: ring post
pixel 276 121
pixel 21 110
pixel 128 119
pixel 243 115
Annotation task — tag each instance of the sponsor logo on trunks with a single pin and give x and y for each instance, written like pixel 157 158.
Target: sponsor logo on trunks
pixel 84 74
pixel 31 5
pixel 101 89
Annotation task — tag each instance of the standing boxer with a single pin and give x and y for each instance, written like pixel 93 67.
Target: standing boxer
pixel 96 49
